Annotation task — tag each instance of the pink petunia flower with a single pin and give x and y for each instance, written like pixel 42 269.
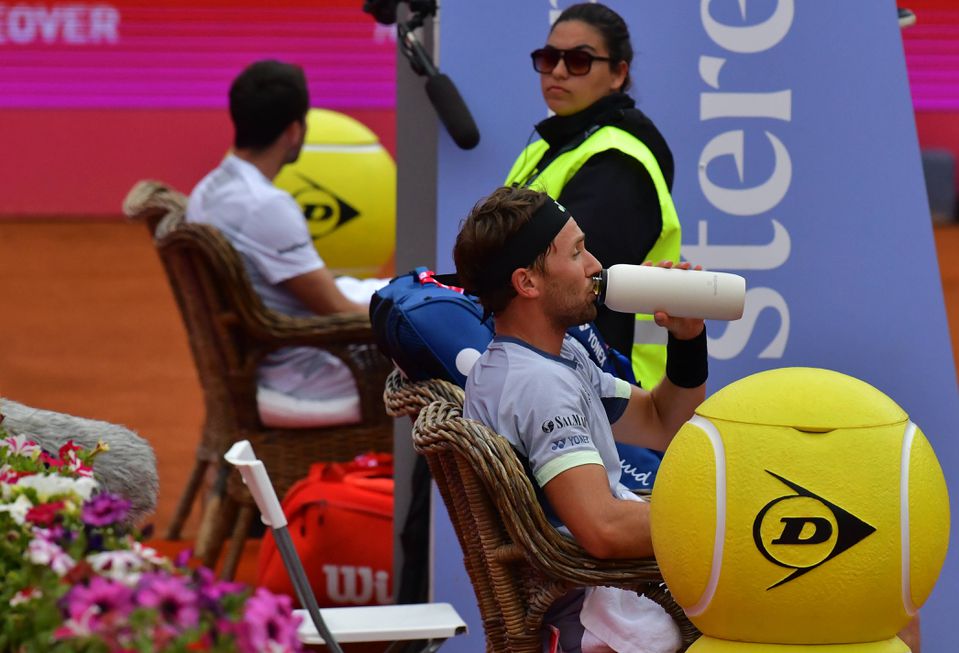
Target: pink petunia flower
pixel 70 461
pixel 268 624
pixel 10 476
pixel 53 534
pixel 69 450
pixel 172 598
pixel 102 604
pixel 42 552
pixel 50 461
pixel 21 445
pixel 211 590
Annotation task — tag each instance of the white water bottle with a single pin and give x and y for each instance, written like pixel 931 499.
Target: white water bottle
pixel 680 293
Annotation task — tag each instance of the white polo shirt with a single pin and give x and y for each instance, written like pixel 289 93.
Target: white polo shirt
pixel 265 225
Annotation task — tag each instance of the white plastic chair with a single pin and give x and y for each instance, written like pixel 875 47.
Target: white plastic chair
pixel 433 623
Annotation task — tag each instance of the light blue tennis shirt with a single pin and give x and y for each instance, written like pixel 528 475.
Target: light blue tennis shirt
pixel 556 411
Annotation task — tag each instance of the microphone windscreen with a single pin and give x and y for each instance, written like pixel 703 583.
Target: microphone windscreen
pixel 453 112
pixel 383 11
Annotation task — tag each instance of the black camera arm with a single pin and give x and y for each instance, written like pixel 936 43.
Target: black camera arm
pixel 384 12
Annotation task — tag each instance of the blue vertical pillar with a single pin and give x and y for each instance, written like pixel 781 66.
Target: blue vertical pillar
pixel 797 166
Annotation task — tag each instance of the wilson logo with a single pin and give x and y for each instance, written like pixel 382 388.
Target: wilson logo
pixel 802 531
pixel 357 585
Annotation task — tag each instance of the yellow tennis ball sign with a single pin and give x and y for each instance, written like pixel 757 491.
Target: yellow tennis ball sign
pixel 345 182
pixel 800 506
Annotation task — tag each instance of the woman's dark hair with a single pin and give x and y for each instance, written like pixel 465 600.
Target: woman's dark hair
pixel 264 100
pixel 611 26
pixel 484 233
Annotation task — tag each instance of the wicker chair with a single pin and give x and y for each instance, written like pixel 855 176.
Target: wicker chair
pixel 230 330
pixel 405 398
pixel 517 562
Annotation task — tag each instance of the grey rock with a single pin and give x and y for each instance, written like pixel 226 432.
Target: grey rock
pixel 128 469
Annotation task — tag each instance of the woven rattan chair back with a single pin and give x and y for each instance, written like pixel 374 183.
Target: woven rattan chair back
pixel 405 398
pixel 230 330
pixel 517 562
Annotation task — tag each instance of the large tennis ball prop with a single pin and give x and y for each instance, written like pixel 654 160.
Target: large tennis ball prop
pixel 345 182
pixel 801 507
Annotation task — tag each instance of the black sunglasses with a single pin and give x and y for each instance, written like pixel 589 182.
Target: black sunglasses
pixel 578 62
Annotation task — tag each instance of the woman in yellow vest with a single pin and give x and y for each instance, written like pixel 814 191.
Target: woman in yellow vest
pixel 605 161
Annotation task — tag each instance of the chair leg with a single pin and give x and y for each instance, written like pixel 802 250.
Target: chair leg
pixel 218 519
pixel 241 530
pixel 218 513
pixel 185 503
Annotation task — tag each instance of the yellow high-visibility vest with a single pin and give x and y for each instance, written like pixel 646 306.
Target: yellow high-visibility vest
pixel 649 340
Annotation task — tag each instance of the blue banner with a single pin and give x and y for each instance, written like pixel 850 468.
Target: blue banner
pixel 797 166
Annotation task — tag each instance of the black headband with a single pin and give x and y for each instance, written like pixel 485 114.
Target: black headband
pixel 528 242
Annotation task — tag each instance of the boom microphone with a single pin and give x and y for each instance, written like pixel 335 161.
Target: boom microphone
pixel 680 293
pixel 443 95
pixel 453 112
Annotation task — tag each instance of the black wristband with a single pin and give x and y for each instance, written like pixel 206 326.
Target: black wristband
pixel 687 365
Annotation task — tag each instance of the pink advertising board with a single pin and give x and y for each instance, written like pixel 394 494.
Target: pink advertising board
pixel 99 94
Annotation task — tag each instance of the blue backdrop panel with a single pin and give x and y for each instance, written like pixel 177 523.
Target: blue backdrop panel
pixel 797 166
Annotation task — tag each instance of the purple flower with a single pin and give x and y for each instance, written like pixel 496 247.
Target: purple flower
pixel 100 603
pixel 212 590
pixel 182 559
pixel 172 598
pixel 105 509
pixel 268 624
pixel 54 534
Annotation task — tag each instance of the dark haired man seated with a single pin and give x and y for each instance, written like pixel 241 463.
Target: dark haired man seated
pixel 525 257
pixel 268 106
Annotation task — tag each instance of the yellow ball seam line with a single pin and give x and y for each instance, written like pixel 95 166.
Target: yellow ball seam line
pixel 719 452
pixel 907 439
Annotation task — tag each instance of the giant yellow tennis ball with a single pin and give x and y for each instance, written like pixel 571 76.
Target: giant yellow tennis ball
pixel 345 182
pixel 800 506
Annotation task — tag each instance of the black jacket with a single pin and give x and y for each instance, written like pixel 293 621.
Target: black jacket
pixel 612 197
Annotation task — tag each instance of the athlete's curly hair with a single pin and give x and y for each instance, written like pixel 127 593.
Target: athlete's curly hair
pixel 481 238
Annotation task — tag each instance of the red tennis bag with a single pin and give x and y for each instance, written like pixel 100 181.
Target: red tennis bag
pixel 340 518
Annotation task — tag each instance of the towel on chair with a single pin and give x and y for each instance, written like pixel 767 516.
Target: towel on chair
pixel 619 620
